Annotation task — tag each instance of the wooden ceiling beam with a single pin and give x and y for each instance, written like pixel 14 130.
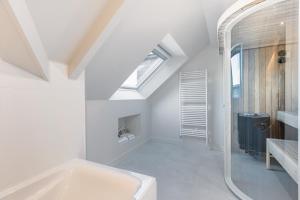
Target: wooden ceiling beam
pixel 95 38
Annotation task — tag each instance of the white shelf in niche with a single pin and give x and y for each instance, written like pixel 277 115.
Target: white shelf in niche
pixel 130 126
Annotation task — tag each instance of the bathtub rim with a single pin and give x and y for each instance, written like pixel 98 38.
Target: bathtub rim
pixel 144 181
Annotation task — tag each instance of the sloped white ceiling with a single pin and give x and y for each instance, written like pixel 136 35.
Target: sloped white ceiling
pixel 212 10
pixel 144 24
pixel 63 23
pixel 10 37
pixel 62 26
pixel 20 44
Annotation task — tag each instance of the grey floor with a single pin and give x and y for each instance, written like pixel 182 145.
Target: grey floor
pixel 185 171
pixel 252 177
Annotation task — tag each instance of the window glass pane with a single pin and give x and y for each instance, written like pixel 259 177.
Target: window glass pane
pixel 131 81
pixel 143 71
pixel 236 69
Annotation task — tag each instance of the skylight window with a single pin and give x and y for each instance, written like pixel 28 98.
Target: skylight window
pixel 144 71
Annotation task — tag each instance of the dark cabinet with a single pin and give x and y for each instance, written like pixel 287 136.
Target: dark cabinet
pixel 253 130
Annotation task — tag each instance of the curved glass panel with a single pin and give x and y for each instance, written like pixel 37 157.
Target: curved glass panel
pixel 264 95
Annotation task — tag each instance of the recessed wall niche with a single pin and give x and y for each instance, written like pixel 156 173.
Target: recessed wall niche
pixel 129 128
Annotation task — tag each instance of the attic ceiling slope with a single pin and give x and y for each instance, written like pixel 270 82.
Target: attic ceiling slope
pixel 144 24
pixel 99 31
pixel 20 44
pixel 212 11
pixel 62 24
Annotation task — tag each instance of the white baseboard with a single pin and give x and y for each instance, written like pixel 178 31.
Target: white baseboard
pixel 216 147
pixel 212 146
pixel 121 156
pixel 166 140
pixel 178 141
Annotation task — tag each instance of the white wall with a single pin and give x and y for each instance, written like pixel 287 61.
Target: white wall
pixel 159 113
pixel 165 101
pixel 42 122
pixel 102 128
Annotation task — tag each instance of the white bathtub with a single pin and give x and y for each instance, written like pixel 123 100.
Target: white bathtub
pixel 83 180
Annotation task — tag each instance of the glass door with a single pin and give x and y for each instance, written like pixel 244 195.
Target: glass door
pixel 264 103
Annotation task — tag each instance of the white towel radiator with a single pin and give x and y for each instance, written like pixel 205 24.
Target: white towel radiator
pixel 193 104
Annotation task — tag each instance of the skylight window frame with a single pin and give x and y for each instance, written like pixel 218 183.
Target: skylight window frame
pixel 163 55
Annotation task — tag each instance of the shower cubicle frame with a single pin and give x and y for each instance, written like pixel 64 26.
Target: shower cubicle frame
pixel 237 12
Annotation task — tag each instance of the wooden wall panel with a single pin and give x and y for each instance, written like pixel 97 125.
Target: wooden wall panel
pixel 262 79
pixel 251 80
pixel 291 78
pixel 245 80
pixel 281 88
pixel 268 86
pixel 294 63
pixel 288 84
pixel 274 91
pixel 268 91
pixel 256 82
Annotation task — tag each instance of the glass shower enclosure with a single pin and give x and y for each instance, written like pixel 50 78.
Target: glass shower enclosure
pixel 259 44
